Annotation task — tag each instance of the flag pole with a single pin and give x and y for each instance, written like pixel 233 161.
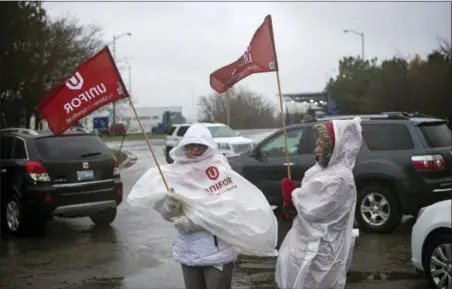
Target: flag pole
pixel 283 124
pixel 139 122
pixel 283 121
pixel 149 144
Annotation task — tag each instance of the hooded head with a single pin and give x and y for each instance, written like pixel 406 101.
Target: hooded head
pixel 338 142
pixel 197 145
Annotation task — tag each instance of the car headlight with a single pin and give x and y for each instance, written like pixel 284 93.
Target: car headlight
pixel 224 146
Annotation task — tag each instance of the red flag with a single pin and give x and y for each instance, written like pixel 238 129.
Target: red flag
pixel 260 56
pixel 96 82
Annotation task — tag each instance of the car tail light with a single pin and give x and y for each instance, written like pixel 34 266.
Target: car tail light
pixel 47 198
pixel 37 171
pixel 116 168
pixel 119 192
pixel 428 162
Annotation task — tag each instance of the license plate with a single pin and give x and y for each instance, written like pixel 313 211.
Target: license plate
pixel 85 175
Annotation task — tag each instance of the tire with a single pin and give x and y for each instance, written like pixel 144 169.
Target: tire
pixel 391 208
pixel 12 218
pixel 104 218
pixel 169 160
pixel 431 249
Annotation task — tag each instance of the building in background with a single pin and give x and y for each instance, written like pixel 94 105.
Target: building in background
pixel 150 117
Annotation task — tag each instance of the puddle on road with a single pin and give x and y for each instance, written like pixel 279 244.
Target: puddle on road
pixel 359 277
pixel 101 283
pixel 258 273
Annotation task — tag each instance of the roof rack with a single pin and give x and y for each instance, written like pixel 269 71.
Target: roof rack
pixel 407 114
pixel 20 130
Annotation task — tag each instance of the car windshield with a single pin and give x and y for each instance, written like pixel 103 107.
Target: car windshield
pixel 221 131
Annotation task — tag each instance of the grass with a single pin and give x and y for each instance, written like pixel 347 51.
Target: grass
pixel 121 156
pixel 138 136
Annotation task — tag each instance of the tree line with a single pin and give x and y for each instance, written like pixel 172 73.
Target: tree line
pixel 422 85
pixel 37 53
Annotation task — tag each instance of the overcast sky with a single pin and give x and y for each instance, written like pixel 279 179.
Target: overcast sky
pixel 175 46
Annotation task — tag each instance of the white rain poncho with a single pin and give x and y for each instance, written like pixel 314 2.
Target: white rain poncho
pixel 315 251
pixel 214 196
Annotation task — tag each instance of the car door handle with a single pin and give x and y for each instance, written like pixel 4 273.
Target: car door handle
pixel 3 171
pixel 285 164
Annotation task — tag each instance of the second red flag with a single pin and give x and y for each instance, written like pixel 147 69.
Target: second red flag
pixel 260 56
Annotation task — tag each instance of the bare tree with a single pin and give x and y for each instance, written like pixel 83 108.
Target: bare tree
pixel 246 109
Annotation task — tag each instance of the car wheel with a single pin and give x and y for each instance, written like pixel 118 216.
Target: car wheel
pixel 438 262
pixel 169 160
pixel 377 209
pixel 12 217
pixel 104 218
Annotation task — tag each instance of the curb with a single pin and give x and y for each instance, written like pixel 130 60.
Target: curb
pixel 129 161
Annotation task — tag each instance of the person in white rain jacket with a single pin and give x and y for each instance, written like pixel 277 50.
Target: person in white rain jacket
pixel 207 261
pixel 315 251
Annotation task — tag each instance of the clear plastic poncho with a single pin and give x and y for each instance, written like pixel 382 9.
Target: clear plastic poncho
pixel 315 251
pixel 214 196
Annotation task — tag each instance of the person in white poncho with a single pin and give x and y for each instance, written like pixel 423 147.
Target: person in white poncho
pixel 207 261
pixel 315 251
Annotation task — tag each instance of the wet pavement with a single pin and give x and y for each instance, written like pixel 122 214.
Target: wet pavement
pixel 136 252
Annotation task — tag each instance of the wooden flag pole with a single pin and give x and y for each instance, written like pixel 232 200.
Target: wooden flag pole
pixel 149 144
pixel 281 106
pixel 283 124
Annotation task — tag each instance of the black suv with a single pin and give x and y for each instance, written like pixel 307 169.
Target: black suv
pixel 404 164
pixel 45 175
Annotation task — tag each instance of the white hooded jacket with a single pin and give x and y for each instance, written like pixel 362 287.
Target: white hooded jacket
pixel 314 252
pixel 200 248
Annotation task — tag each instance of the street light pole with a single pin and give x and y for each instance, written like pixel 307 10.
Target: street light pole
pixel 129 67
pixel 228 107
pixel 114 104
pixel 115 37
pixel 362 39
pixel 362 45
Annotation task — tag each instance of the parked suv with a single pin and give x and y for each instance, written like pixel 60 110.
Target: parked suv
pixel 403 165
pixel 45 175
pixel 229 142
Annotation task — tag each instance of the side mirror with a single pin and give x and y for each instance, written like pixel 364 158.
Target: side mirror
pixel 255 153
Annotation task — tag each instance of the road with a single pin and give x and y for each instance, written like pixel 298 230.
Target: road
pixel 137 252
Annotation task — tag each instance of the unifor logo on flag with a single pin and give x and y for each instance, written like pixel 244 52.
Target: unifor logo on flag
pixel 96 83
pixel 259 56
pixel 75 82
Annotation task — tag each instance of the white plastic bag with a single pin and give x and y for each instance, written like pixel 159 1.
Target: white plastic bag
pixel 217 199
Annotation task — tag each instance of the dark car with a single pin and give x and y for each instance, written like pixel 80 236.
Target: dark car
pixel 404 164
pixel 45 175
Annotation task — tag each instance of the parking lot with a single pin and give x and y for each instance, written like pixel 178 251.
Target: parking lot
pixel 137 252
